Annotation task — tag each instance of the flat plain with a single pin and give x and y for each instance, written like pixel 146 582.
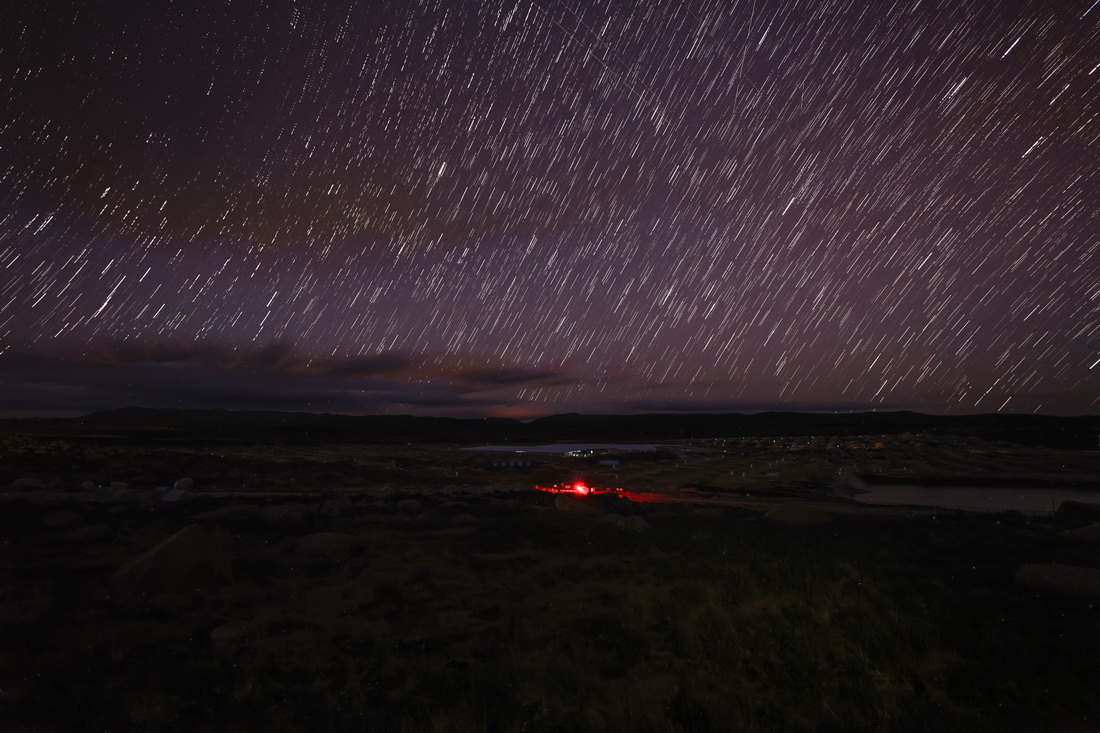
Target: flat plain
pixel 349 586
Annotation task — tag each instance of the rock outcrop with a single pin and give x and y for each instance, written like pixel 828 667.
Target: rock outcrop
pixel 1063 580
pixel 190 561
pixel 284 515
pixel 1078 512
pixel 91 533
pixel 335 506
pixel 61 519
pixel 231 516
pixel 326 545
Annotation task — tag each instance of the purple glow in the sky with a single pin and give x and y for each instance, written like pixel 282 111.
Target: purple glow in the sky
pixel 520 207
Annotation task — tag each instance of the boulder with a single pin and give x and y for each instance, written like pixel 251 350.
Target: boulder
pixel 239 514
pixel 107 495
pixel 453 507
pixel 119 486
pixel 230 633
pixel 184 484
pixel 172 495
pixel 594 721
pixel 326 545
pixel 792 514
pixel 1077 512
pixel 88 485
pixel 1063 580
pixel 27 484
pixel 190 560
pixel 89 534
pixel 465 520
pixel 336 506
pixel 284 515
pixel 635 523
pixel 103 493
pixel 409 506
pixel 380 492
pixel 61 519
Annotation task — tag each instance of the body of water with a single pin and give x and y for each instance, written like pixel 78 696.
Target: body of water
pixel 1024 500
pixel 563 448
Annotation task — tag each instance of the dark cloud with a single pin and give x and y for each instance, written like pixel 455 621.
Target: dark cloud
pixel 66 386
pixel 388 363
pixel 269 376
pixel 274 356
pixel 278 376
pixel 134 351
pixel 674 404
pixel 511 377
pixel 209 354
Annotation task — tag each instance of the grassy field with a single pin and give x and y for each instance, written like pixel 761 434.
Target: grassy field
pixel 483 607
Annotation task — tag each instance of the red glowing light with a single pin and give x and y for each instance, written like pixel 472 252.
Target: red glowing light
pixel 578 487
pixel 581 488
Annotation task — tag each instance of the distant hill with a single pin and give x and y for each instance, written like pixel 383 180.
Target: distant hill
pixel 1070 432
pixel 162 425
pixel 294 427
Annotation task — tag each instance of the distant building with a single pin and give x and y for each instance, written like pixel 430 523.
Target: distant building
pixel 512 464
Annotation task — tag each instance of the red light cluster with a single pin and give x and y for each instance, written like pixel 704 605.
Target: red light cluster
pixel 577 487
pixel 581 488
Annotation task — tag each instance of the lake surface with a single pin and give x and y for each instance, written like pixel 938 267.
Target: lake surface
pixel 1025 500
pixel 562 448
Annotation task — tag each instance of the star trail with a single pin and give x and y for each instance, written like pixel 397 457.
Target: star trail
pixel 522 207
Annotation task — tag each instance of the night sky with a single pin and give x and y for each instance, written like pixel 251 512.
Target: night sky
pixel 524 207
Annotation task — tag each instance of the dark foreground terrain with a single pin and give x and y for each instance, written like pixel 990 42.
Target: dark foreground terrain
pixel 348 587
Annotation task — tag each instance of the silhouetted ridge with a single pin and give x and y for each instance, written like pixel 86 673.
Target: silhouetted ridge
pixel 212 425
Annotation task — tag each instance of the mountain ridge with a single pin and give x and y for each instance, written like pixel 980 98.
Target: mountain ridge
pixel 181 424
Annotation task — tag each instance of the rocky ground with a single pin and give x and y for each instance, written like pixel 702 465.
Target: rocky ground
pixel 351 590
